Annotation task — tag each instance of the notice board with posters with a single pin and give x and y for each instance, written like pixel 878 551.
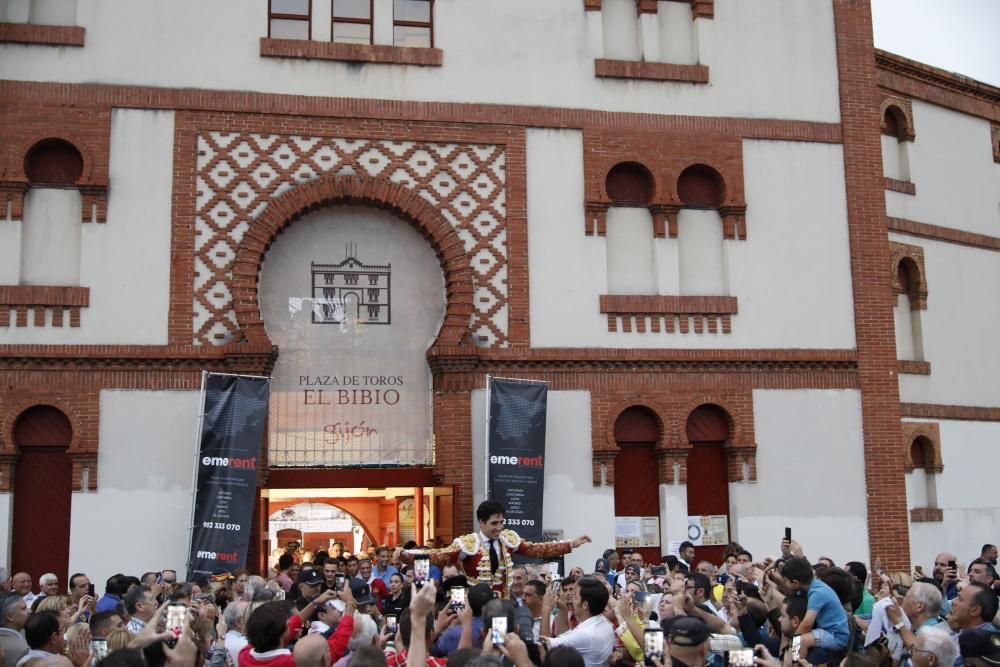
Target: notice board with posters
pixel 637 531
pixel 708 530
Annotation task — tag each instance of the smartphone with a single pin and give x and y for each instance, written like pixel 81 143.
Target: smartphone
pixel 554 569
pixel 740 657
pixel 421 569
pixel 90 590
pixel 658 570
pixel 557 585
pixel 99 647
pixel 176 613
pixel 640 597
pixel 456 599
pixel 796 645
pixel 722 579
pixel 338 581
pixel 390 623
pixel 788 533
pixel 953 565
pixel 652 644
pixel 499 631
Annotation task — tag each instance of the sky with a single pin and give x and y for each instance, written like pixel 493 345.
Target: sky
pixel 956 35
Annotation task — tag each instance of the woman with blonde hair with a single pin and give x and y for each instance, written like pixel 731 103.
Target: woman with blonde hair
pixel 118 639
pixel 60 605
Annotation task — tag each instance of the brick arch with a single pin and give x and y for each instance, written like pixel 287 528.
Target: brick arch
pixel 80 457
pixel 902 112
pixel 731 205
pixel 740 447
pixel 25 145
pixel 912 258
pixel 930 433
pixel 344 190
pixel 604 448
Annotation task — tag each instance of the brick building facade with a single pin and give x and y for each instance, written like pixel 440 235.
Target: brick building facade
pixel 747 250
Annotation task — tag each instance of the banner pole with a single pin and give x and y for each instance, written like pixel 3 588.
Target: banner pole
pixel 486 442
pixel 194 473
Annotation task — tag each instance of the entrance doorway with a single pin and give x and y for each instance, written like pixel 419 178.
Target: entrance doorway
pixel 636 472
pixel 357 518
pixel 708 482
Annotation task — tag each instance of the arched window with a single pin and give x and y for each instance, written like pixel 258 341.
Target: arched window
pixel 42 492
pixel 895 158
pixel 701 257
pixel 637 484
pixel 910 289
pixel 630 250
pixel 923 463
pixel 51 233
pixel 707 430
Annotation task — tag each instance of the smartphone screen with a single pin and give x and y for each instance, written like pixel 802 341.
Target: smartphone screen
pixel 554 569
pixel 499 635
pixel 796 644
pixel 339 580
pixel 652 644
pixel 390 623
pixel 788 533
pixel 175 618
pixel 421 570
pixel 457 598
pixel 99 647
pixel 741 657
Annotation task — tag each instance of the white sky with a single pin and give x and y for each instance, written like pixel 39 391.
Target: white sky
pixel 957 35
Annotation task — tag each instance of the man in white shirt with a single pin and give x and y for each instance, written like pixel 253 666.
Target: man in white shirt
pixel 234 640
pixel 594 637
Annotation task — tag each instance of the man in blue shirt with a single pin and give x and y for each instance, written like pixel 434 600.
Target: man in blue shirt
pixel 383 570
pixel 825 622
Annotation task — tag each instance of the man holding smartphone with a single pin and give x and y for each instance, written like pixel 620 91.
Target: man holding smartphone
pixel 486 555
pixel 946 573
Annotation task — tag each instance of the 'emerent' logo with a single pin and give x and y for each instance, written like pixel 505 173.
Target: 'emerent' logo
pixel 528 461
pixel 214 555
pixel 225 462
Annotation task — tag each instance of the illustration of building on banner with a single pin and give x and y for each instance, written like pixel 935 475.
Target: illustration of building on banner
pixel 351 290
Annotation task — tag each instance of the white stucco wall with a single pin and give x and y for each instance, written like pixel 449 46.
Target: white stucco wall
pixel 966 491
pixel 126 261
pixel 50 237
pixel 6 527
pixel 631 259
pixel 10 249
pixel 958 328
pixel 145 467
pixel 804 439
pixel 762 55
pixel 951 165
pixel 791 276
pixel 571 503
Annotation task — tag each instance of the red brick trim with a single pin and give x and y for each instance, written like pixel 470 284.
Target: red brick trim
pixel 17 299
pixel 358 53
pixel 896 185
pixel 888 524
pixel 931 433
pixel 650 71
pixel 45 35
pixel 911 367
pixel 333 190
pixel 941 87
pixel 945 234
pixel 592 5
pixel 905 107
pixel 12 200
pixel 995 138
pixel 75 409
pixel 604 451
pixel 913 255
pixel 950 412
pixel 700 9
pixel 711 313
pixel 35 95
pixel 926 514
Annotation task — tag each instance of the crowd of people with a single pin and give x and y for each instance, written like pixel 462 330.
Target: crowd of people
pixel 473 603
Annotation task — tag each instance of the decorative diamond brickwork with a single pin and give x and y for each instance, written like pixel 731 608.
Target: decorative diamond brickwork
pixel 239 174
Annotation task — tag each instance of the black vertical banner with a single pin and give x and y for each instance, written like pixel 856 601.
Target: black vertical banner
pixel 232 430
pixel 516 452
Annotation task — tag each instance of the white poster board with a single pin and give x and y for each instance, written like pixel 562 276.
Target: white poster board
pixel 708 530
pixel 637 531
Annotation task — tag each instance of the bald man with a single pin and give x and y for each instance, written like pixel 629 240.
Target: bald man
pixel 312 651
pixel 946 575
pixel 20 583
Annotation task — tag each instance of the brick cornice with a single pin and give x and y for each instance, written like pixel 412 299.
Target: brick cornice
pixel 42 35
pixel 936 85
pixel 650 71
pixel 945 234
pixel 357 53
pixel 950 412
pixel 896 185
pixel 700 313
pixel 138 358
pixel 138 97
pixel 38 295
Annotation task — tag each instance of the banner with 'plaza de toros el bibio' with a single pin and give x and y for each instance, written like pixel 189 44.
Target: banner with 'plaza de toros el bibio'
pixel 352 297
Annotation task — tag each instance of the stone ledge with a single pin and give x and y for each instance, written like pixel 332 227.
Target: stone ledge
pixel 17 300
pixel 926 514
pixel 649 71
pixel 702 313
pixel 358 53
pixel 45 35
